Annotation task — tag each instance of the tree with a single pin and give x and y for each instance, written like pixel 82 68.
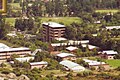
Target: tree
pixel 3 65
pixel 3 28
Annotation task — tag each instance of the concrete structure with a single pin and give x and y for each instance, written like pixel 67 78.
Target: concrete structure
pixel 36 51
pixel 112 27
pixel 71 49
pixel 41 64
pixel 71 66
pixel 52 30
pixel 24 59
pixel 6 52
pixel 61 39
pixel 108 54
pixel 65 56
pixel 91 47
pixel 96 64
pixel 70 43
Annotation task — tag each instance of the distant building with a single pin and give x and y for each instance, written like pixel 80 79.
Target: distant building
pixel 96 64
pixel 24 59
pixel 108 54
pixel 112 27
pixel 6 52
pixel 90 47
pixel 41 64
pixel 65 56
pixel 71 49
pixel 71 66
pixel 70 43
pixel 52 30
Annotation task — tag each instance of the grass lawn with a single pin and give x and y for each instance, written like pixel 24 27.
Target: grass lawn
pixel 10 21
pixel 114 63
pixel 15 5
pixel 116 38
pixel 65 20
pixel 107 11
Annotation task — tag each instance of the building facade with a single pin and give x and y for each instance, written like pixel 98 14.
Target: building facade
pixel 38 65
pixel 6 52
pixel 52 30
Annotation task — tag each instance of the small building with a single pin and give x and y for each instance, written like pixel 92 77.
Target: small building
pixel 61 39
pixel 41 64
pixel 108 54
pixel 96 64
pixel 112 27
pixel 91 47
pixel 24 59
pixel 71 49
pixel 65 56
pixel 71 66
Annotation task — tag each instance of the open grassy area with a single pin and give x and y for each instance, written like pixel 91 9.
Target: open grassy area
pixel 64 20
pixel 114 63
pixel 107 11
pixel 10 21
pixel 15 5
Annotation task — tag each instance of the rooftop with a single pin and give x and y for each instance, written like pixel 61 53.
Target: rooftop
pixel 14 49
pixel 71 48
pixel 65 54
pixel 61 39
pixel 71 65
pixel 4 48
pixel 112 27
pixel 24 59
pixel 89 46
pixel 71 42
pixel 53 24
pixel 110 52
pixel 39 63
pixel 92 62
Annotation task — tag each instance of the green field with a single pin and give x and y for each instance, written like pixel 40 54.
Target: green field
pixel 107 11
pixel 114 63
pixel 65 20
pixel 15 5
pixel 10 21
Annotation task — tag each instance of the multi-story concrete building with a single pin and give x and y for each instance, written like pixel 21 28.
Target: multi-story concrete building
pixel 52 30
pixel 6 52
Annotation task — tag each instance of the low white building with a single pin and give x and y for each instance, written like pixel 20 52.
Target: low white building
pixel 71 48
pixel 70 42
pixel 65 56
pixel 24 59
pixel 69 65
pixel 96 64
pixel 41 64
pixel 112 27
pixel 108 54
pixel 89 46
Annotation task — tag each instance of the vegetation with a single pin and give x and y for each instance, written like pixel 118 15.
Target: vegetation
pixel 80 18
pixel 113 63
pixel 107 11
